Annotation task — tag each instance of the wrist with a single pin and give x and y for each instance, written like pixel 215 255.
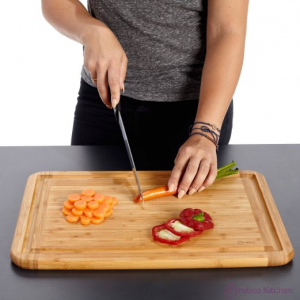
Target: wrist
pixel 199 139
pixel 95 28
pixel 208 132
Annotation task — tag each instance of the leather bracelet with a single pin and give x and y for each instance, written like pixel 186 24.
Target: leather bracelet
pixel 213 126
pixel 215 137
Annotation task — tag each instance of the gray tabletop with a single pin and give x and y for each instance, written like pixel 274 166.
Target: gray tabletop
pixel 280 164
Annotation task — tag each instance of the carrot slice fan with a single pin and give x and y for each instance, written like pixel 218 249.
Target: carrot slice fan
pixel 72 219
pixel 97 220
pixel 77 212
pixel 108 213
pixel 88 192
pixel 161 191
pixel 114 200
pixel 73 198
pixel 93 204
pixel 66 211
pixel 101 210
pixel 87 198
pixel 80 205
pixel 88 212
pixel 68 205
pixel 99 197
pixel 85 220
pixel 88 207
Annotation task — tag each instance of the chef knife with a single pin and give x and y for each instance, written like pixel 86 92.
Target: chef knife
pixel 117 112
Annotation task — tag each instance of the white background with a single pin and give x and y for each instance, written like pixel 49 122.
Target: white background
pixel 40 76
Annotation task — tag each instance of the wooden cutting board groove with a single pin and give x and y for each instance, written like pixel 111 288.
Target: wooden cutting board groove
pixel 248 228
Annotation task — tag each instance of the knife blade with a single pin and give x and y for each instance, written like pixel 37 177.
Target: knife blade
pixel 117 112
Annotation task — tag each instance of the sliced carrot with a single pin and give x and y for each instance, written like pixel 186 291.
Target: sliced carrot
pixel 161 191
pixel 87 198
pixel 88 192
pixel 97 220
pixel 108 213
pixel 77 212
pixel 114 200
pixel 93 204
pixel 73 197
pixel 71 218
pixel 80 205
pixel 101 210
pixel 88 212
pixel 99 197
pixel 85 220
pixel 109 200
pixel 68 205
pixel 66 211
pixel 88 207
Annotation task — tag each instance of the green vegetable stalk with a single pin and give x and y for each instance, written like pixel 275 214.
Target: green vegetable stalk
pixel 227 170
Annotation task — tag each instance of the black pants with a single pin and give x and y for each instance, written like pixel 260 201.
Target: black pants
pixel 146 122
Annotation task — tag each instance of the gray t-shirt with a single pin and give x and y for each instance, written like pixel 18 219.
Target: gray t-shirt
pixel 165 43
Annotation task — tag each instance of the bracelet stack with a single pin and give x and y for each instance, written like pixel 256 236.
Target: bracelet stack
pixel 215 137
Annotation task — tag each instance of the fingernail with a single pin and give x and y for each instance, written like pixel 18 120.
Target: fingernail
pixel 192 191
pixel 181 194
pixel 171 187
pixel 201 189
pixel 114 103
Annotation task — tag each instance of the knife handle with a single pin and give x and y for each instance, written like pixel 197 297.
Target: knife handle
pixel 118 106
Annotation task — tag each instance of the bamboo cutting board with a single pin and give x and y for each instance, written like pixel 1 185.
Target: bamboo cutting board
pixel 248 229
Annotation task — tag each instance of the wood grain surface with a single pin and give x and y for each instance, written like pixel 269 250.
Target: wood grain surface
pixel 248 228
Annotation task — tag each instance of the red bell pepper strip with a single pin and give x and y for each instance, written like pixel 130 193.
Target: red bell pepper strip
pixel 196 219
pixel 176 227
pixel 161 234
pixel 161 191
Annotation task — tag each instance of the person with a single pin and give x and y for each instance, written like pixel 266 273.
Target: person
pixel 180 62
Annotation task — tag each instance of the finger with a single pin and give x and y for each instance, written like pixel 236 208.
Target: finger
pixel 92 72
pixel 94 77
pixel 178 171
pixel 202 173
pixel 102 87
pixel 213 172
pixel 114 83
pixel 189 175
pixel 123 71
pixel 176 157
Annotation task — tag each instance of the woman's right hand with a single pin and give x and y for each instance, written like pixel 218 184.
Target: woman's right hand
pixel 106 60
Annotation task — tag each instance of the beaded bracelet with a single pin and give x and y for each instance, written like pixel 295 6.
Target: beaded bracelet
pixel 215 136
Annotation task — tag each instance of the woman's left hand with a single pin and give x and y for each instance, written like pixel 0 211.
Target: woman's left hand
pixel 195 166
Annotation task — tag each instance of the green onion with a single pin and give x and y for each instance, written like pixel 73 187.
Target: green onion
pixel 227 167
pixel 227 170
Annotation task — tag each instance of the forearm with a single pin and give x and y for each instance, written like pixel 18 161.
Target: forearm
pixel 220 75
pixel 70 18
